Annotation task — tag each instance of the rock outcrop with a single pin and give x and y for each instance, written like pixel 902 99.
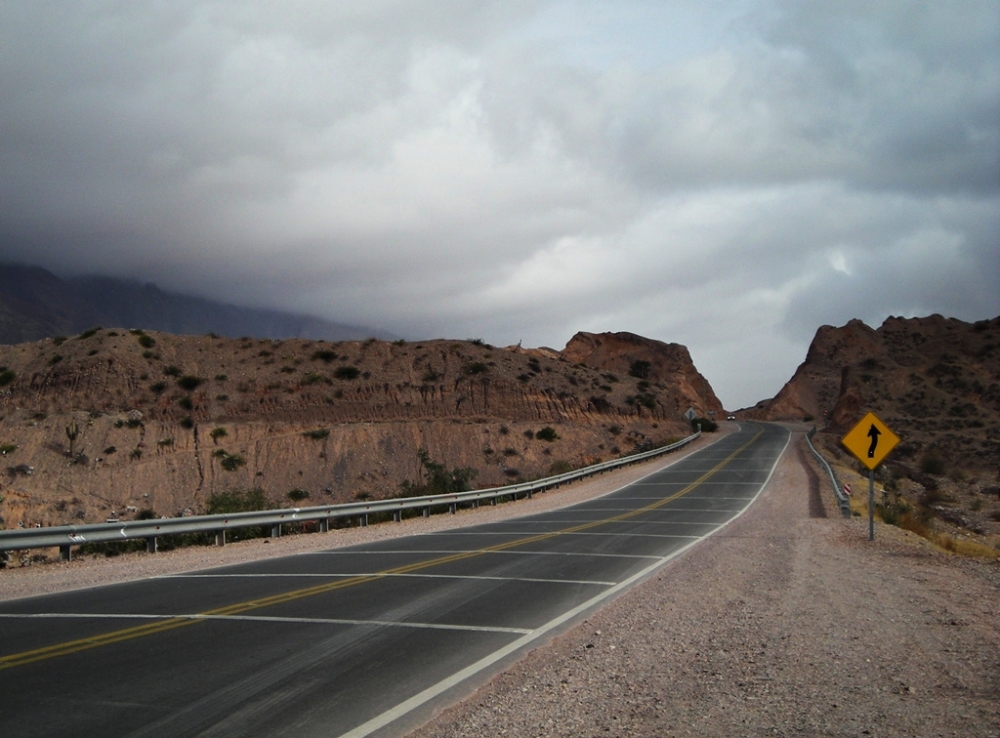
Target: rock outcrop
pixel 934 380
pixel 667 366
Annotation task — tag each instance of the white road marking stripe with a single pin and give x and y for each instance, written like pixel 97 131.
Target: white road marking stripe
pixel 444 685
pixel 378 574
pixel 266 619
pixel 494 553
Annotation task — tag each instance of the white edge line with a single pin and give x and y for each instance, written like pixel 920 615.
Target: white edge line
pixel 267 619
pixel 444 685
pixel 530 580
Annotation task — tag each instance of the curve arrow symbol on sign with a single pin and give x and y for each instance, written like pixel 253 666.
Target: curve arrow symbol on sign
pixel 873 433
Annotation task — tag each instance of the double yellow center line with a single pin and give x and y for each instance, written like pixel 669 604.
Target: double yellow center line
pixel 140 631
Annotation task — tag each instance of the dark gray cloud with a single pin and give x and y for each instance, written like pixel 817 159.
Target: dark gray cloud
pixel 726 177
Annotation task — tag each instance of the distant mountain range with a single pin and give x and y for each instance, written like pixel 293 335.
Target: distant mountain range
pixel 36 304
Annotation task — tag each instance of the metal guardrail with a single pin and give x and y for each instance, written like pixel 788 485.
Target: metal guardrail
pixel 845 504
pixel 66 536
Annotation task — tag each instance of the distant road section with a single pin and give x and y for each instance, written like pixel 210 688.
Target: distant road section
pixel 353 641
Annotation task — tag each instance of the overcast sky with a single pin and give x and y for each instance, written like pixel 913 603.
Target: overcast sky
pixel 726 175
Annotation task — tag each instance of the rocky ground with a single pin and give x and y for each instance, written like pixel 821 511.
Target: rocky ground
pixel 786 623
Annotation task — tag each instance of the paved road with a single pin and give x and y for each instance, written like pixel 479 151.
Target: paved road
pixel 356 641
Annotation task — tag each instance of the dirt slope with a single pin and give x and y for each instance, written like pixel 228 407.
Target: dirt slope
pixel 160 422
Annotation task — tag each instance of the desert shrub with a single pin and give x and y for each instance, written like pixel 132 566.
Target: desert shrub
pixel 932 464
pixel 185 403
pixel 189 382
pixel 165 442
pixel 221 377
pixel 218 433
pixel 298 494
pixel 324 355
pixel 560 466
pixel 707 426
pixel 59 340
pixel 438 479
pixel 430 375
pixel 475 367
pixel 232 462
pixel 146 341
pixel 172 370
pixel 158 387
pixel 55 359
pixel 317 435
pixel 315 378
pixel 7 448
pixel 529 434
pixel 88 333
pixel 547 434
pixel 187 422
pixel 346 372
pixel 6 377
pixel 647 400
pixel 110 450
pixel 640 369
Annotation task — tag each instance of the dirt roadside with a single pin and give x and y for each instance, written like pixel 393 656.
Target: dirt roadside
pixel 784 624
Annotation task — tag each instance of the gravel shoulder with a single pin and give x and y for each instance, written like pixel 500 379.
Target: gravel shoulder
pixel 786 623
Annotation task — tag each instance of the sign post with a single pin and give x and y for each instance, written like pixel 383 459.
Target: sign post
pixel 870 441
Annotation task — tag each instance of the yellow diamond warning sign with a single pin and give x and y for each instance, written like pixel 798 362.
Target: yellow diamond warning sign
pixel 870 441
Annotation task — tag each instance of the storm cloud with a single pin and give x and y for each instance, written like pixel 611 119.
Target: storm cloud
pixel 725 175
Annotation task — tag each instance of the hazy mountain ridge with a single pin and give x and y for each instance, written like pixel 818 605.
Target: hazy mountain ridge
pixel 36 304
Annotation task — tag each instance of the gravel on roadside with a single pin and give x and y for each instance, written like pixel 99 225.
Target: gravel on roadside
pixel 785 623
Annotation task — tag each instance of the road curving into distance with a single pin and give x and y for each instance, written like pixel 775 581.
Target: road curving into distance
pixel 354 641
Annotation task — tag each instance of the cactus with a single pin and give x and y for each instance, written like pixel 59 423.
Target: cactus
pixel 72 432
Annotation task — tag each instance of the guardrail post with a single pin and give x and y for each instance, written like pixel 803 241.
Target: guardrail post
pixel 220 537
pixel 397 516
pixel 364 520
pixel 529 494
pixel 276 530
pixel 152 544
pixel 65 554
pixel 427 512
pixel 324 525
pixel 452 508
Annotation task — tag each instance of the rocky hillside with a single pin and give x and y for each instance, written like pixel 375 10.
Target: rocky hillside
pixel 120 422
pixel 934 380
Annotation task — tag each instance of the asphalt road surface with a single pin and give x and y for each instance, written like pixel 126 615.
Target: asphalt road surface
pixel 355 641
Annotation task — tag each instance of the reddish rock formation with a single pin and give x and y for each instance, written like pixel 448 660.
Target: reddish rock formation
pixel 934 380
pixel 666 366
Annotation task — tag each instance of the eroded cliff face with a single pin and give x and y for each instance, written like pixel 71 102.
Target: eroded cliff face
pixel 666 366
pixel 113 421
pixel 934 380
